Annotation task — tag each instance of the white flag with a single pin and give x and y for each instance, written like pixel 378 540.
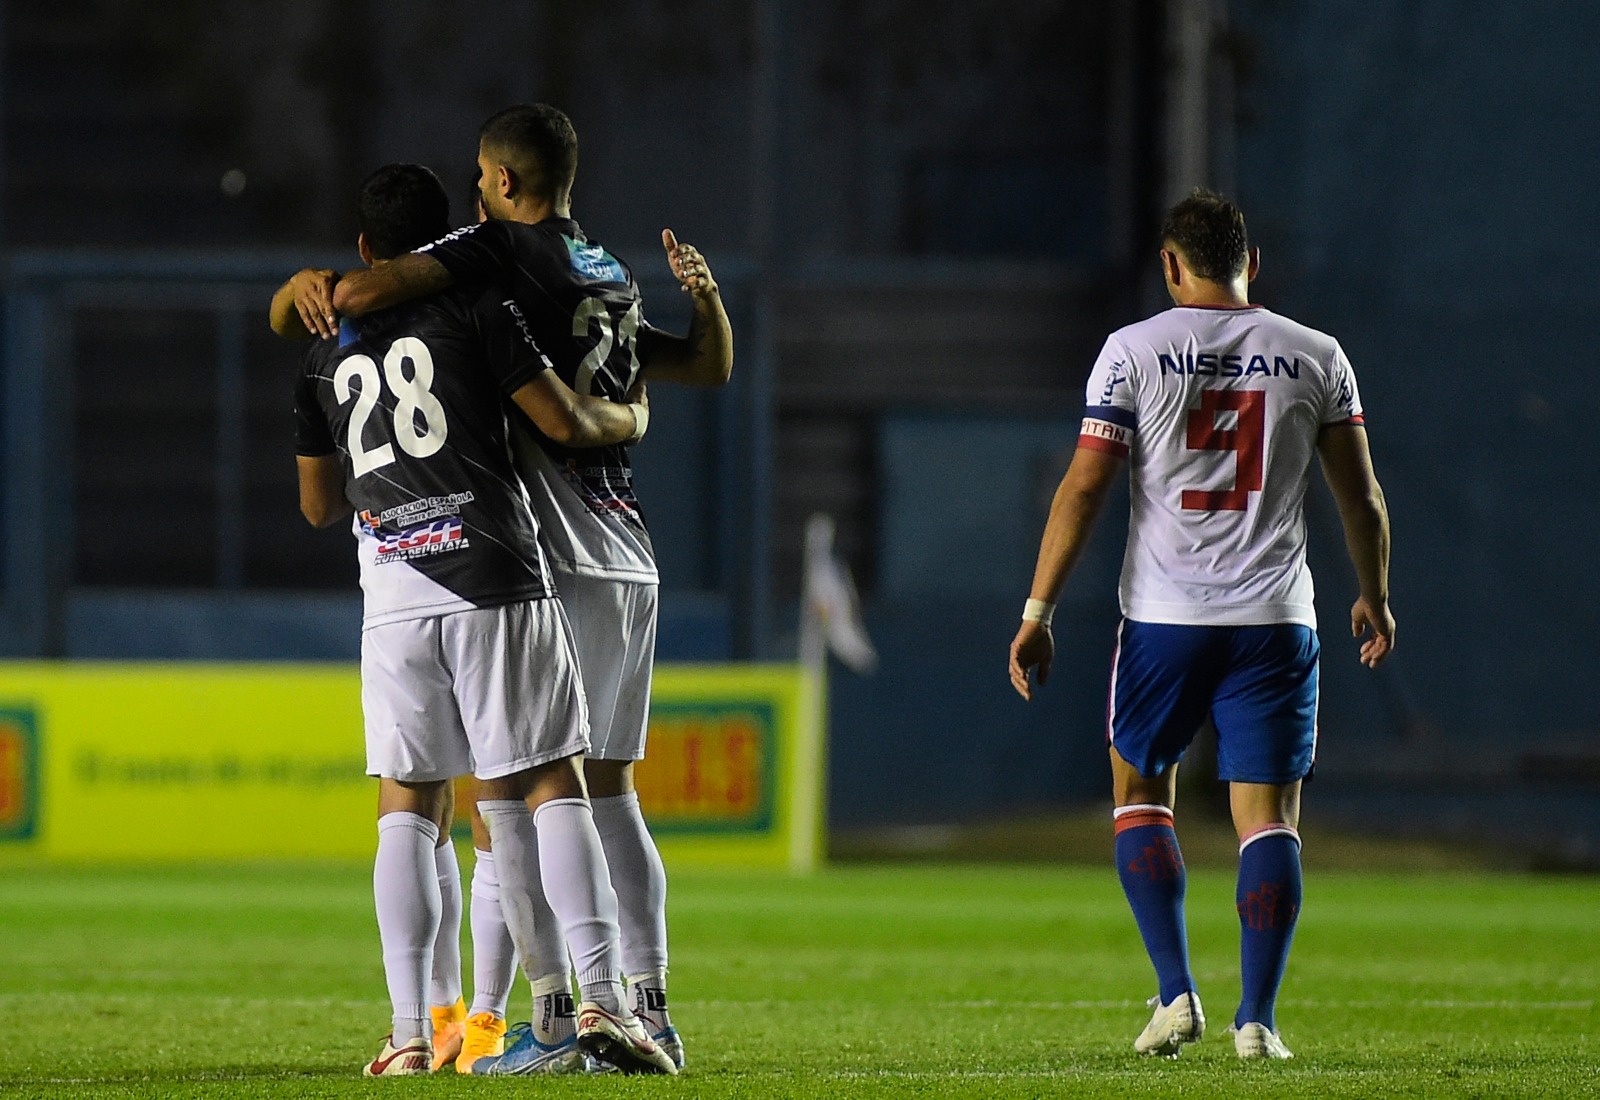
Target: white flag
pixel 830 617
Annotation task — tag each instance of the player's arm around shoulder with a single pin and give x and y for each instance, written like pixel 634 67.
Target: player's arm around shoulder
pixel 578 420
pixel 1077 504
pixel 1347 466
pixel 525 375
pixel 414 275
pixel 303 306
pixel 705 356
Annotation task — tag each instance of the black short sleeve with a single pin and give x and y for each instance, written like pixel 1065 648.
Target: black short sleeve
pixel 507 346
pixel 475 253
pixel 311 435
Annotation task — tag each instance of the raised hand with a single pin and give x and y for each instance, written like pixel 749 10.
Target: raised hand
pixel 688 266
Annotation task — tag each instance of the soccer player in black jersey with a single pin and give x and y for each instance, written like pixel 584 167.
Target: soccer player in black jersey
pixel 467 657
pixel 583 308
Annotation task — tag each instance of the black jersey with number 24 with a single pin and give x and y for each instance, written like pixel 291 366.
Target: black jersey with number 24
pixel 412 400
pixel 582 307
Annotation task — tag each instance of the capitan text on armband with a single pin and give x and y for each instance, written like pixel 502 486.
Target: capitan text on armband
pixel 1105 430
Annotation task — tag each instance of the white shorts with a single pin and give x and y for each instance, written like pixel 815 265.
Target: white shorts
pixel 614 623
pixel 492 691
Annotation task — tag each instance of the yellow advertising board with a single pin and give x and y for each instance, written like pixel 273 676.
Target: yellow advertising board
pixel 733 768
pixel 167 761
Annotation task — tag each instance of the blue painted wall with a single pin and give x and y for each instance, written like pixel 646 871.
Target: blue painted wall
pixel 1421 177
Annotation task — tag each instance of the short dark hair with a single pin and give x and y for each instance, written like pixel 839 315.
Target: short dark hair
pixel 538 143
pixel 1209 231
pixel 402 207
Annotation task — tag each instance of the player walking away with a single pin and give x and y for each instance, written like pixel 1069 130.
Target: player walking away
pixel 1220 407
pixel 583 307
pixel 467 659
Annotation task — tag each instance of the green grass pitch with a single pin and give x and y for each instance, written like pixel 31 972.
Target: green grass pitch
pixel 864 981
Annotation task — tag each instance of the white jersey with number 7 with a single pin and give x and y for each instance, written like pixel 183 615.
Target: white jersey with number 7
pixel 1218 412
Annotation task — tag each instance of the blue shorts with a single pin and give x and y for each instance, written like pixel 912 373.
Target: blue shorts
pixel 1258 683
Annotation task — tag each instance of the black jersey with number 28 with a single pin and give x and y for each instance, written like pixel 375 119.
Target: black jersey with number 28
pixel 412 400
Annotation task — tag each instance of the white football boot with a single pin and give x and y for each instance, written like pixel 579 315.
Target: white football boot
pixel 1258 1041
pixel 621 1040
pixel 410 1059
pixel 1171 1026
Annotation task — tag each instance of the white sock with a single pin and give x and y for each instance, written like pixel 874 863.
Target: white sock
pixel 405 892
pixel 444 988
pixel 578 886
pixel 555 1017
pixel 494 956
pixel 534 929
pixel 640 880
pixel 647 996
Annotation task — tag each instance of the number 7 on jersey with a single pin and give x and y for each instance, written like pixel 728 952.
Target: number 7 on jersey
pixel 1247 440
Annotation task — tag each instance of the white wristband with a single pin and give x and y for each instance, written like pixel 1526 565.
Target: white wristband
pixel 641 421
pixel 1038 611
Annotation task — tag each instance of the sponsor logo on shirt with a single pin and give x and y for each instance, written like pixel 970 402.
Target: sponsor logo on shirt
pixel 435 534
pixel 418 511
pixel 593 262
pixel 415 542
pixel 605 490
pixel 1117 375
pixel 1210 364
pixel 1347 398
pixel 522 326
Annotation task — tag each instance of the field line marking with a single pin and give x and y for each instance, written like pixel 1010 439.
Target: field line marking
pixel 219 998
pixel 1058 1006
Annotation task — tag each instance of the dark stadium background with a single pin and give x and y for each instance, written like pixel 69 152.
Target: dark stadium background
pixel 925 216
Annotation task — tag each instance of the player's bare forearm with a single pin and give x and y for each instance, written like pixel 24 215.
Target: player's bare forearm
pixel 1347 468
pixel 401 279
pixel 1366 536
pixel 576 420
pixel 702 358
pixel 1366 532
pixel 284 318
pixel 710 340
pixel 1077 504
pixel 322 499
pixel 599 422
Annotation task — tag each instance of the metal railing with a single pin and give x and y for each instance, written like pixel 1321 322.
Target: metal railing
pixel 46 296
